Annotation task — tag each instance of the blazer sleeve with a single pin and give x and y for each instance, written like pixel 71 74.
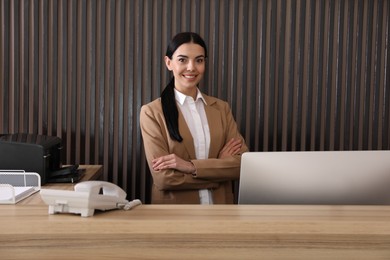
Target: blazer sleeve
pixel 157 143
pixel 222 169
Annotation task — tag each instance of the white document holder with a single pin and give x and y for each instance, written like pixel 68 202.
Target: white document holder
pixel 16 185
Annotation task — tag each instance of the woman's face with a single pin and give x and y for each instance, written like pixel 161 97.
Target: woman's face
pixel 188 67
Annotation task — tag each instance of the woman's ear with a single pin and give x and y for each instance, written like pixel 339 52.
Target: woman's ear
pixel 168 62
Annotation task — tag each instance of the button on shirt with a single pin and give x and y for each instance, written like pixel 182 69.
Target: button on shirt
pixel 195 117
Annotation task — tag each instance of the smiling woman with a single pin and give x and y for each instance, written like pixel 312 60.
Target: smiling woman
pixel 191 140
pixel 188 67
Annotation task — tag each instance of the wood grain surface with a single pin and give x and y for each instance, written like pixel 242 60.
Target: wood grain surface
pixel 198 232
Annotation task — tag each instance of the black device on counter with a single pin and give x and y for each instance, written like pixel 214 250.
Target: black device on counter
pixel 36 153
pixel 70 173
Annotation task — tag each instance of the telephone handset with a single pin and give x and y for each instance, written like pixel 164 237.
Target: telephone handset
pixel 99 188
pixel 86 197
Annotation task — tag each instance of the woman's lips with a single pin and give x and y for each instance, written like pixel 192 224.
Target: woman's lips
pixel 189 76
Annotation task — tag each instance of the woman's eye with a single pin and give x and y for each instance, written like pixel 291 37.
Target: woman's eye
pixel 182 60
pixel 200 60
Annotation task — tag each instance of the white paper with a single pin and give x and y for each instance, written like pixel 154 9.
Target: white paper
pixel 6 193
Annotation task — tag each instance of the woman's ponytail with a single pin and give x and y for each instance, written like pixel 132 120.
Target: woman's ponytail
pixel 171 114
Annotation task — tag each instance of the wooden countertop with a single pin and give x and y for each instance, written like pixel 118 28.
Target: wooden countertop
pixel 198 232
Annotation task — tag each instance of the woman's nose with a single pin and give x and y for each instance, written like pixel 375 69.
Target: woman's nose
pixel 191 65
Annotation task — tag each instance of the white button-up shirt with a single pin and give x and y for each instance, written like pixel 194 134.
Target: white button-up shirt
pixel 196 119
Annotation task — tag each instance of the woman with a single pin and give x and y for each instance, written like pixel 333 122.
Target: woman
pixel 191 140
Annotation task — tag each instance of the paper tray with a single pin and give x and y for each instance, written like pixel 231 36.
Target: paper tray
pixel 16 185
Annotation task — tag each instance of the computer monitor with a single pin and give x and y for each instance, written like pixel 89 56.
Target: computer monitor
pixel 315 177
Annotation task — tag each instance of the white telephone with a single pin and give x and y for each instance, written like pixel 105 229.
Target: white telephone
pixel 86 197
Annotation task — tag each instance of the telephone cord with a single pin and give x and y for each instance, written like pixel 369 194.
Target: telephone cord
pixel 129 205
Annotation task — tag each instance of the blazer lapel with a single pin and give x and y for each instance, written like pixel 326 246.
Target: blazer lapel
pixel 213 118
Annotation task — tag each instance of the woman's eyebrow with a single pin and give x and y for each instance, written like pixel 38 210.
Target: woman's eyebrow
pixel 184 56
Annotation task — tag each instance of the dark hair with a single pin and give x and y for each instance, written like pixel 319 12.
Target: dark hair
pixel 171 114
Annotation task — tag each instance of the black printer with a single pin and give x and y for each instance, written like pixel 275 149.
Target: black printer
pixel 34 153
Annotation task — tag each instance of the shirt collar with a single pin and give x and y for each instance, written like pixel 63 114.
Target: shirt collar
pixel 181 98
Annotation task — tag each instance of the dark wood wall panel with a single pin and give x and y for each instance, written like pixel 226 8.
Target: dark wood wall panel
pixel 299 75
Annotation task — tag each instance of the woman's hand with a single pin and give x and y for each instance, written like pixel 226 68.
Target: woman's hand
pixel 172 161
pixel 230 148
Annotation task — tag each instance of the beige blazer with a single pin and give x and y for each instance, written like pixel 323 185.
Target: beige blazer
pixel 175 187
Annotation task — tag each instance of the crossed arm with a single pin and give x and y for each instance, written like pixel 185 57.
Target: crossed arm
pixel 172 161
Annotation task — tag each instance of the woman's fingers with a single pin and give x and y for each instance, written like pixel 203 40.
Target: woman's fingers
pixel 232 147
pixel 172 161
